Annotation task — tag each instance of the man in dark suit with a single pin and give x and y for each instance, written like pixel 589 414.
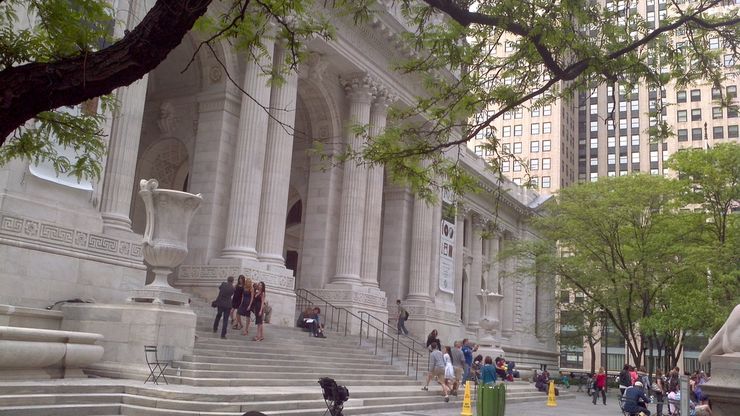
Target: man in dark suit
pixel 223 304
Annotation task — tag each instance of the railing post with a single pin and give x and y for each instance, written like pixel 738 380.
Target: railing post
pixel 346 319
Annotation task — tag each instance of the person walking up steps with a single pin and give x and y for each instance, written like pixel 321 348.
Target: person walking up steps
pixel 223 304
pixel 258 308
pixel 436 369
pixel 246 303
pixel 236 300
pixel 403 315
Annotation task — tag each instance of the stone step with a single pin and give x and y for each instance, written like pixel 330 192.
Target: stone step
pixel 288 369
pixel 57 389
pixel 239 382
pixel 62 410
pixel 264 346
pixel 276 356
pixel 257 362
pixel 57 399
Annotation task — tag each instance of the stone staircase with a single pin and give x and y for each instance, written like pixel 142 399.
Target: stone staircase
pixel 277 376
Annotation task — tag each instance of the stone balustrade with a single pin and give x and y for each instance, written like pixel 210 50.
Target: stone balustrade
pixel 46 353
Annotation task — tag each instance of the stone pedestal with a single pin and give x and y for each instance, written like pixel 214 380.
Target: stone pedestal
pixel 204 280
pixel 127 328
pixel 724 387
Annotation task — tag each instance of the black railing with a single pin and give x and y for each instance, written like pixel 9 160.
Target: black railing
pixel 339 320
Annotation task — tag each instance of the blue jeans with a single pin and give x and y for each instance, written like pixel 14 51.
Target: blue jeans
pixel 225 313
pixel 466 373
pixel 402 326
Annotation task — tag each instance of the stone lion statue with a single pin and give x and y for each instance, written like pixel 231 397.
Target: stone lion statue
pixel 726 340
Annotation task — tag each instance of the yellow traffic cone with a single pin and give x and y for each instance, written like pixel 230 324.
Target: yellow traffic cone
pixel 551 395
pixel 466 409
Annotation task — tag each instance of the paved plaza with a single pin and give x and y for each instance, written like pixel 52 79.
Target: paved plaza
pixel 578 406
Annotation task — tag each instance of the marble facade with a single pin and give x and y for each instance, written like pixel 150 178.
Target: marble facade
pixel 271 209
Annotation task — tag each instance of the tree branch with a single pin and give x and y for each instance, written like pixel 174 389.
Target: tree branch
pixel 35 87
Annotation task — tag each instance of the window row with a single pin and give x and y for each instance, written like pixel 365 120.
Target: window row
pixel 534 164
pixel 534 129
pixel 718 132
pixel 534 147
pixel 730 91
pixel 534 112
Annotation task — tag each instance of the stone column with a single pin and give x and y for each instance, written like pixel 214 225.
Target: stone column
pixel 249 162
pixel 507 304
pixel 421 251
pixel 354 184
pixel 278 155
pixel 373 199
pixel 123 146
pixel 494 280
pixel 476 270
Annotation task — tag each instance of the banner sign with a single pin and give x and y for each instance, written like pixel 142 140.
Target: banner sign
pixel 447 245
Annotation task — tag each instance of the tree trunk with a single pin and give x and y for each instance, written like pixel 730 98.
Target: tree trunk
pixel 35 87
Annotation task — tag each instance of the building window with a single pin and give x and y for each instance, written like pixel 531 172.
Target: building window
pixel 623 160
pixel 546 145
pixel 611 141
pixel 623 141
pixel 718 132
pixel 729 60
pixel 547 110
pixel 535 112
pixel 681 116
pixel 517 166
pixel 695 95
pixel 732 112
pixel 507 115
pixel 713 43
pixel 732 132
pixel 479 150
pixel 681 97
pixel 546 128
pixel 506 132
pixel 732 91
pixel 716 94
pixel 546 163
pixel 696 134
pixel 518 113
pixel 535 128
pixel 534 164
pixel 594 161
pixel 517 148
pixel 654 156
pixel 635 123
pixel 506 148
pixel 594 109
pixel 505 166
pixel 594 143
pixel 517 130
pixel 534 146
pixel 716 113
pixel 594 126
pixel 508 46
pixel 545 181
pixel 611 159
pixel 635 140
pixel 594 176
pixel 683 135
pixel 696 114
pixel 635 157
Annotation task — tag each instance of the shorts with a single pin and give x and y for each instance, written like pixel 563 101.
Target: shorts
pixel 257 319
pixel 439 372
pixel 458 373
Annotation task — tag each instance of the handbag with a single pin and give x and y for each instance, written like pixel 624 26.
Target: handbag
pixel 213 304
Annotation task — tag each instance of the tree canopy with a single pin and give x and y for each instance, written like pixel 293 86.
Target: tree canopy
pixel 551 50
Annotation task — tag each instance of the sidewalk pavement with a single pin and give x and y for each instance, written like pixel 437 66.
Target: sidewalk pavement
pixel 579 406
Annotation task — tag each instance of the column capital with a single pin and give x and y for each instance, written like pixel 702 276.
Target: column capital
pixel 382 98
pixel 359 87
pixel 313 67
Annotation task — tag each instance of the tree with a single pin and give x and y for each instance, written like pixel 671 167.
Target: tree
pixel 557 48
pixel 580 321
pixel 627 246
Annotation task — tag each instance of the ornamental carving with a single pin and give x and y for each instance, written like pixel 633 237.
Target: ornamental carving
pixel 52 235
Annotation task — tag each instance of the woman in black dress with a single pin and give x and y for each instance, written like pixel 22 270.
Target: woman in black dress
pixel 246 304
pixel 258 308
pixel 236 300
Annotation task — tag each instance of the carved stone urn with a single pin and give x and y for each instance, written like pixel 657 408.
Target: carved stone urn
pixel 489 322
pixel 168 217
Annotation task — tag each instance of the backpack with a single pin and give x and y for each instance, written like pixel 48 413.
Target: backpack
pixel 405 314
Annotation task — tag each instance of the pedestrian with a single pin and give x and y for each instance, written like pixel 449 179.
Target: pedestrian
pixel 635 401
pixel 600 386
pixel 432 338
pixel 258 308
pixel 245 305
pixel 403 315
pixel 659 390
pixel 468 353
pixel 449 372
pixel 488 371
pixel 624 379
pixel 236 300
pixel 581 381
pixel 458 362
pixel 436 368
pixel 223 304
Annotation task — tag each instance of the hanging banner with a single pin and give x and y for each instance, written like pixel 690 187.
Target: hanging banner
pixel 447 245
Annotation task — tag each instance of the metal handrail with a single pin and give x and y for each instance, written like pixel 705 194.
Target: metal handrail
pixel 422 347
pixel 334 321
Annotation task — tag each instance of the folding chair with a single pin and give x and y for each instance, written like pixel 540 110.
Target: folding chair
pixel 156 367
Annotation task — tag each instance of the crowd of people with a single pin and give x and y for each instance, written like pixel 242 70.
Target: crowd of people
pixel 238 303
pixel 453 366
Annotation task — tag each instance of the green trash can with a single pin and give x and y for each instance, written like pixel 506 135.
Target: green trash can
pixel 491 400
